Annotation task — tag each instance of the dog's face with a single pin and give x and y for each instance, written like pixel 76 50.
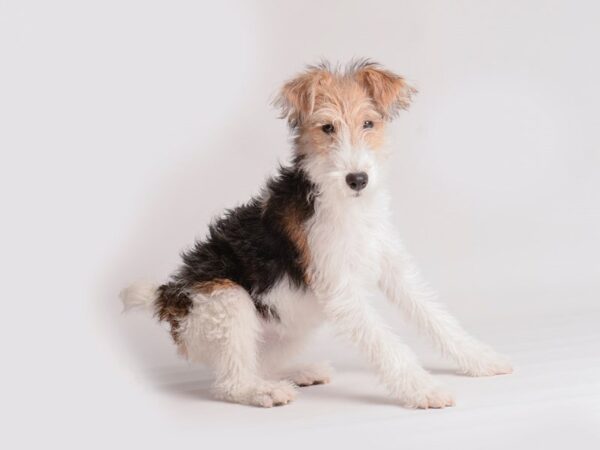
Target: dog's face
pixel 339 121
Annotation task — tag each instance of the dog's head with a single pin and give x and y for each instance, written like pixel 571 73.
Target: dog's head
pixel 338 119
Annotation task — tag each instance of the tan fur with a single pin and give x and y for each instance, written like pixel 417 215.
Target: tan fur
pixel 320 96
pixel 213 286
pixel 297 97
pixel 389 91
pixel 293 224
pixel 173 311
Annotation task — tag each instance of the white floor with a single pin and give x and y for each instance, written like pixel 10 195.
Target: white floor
pixel 551 401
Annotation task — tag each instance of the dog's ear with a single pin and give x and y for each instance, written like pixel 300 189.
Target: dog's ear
pixel 389 91
pixel 296 100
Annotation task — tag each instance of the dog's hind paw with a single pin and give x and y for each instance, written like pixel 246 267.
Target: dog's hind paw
pixel 434 397
pixel 310 375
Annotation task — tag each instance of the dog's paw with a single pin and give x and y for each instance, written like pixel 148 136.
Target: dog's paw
pixel 265 394
pixel 277 394
pixel 486 363
pixel 311 374
pixel 433 397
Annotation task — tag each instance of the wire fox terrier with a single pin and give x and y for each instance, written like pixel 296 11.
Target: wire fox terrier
pixel 311 248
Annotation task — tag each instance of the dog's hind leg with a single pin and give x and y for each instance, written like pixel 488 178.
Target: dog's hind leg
pixel 223 330
pixel 298 316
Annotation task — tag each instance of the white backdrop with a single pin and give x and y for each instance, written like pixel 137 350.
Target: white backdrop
pixel 126 125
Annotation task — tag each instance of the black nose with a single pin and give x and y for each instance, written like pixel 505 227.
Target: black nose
pixel 357 181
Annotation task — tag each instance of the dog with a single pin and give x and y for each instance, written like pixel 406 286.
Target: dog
pixel 311 248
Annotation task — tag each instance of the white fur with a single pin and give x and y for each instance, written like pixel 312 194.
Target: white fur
pixel 299 314
pixel 329 169
pixel 224 331
pixel 309 374
pixel 140 295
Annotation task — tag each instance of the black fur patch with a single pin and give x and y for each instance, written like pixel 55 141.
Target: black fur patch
pixel 250 245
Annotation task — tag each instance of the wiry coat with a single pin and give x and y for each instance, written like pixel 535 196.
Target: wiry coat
pixel 310 249
pixel 254 246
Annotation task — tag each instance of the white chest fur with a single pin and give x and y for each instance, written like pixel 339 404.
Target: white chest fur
pixel 345 240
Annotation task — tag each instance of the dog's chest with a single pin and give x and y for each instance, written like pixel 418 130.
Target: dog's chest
pixel 345 243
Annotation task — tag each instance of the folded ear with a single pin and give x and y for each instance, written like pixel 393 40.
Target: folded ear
pixel 296 99
pixel 390 92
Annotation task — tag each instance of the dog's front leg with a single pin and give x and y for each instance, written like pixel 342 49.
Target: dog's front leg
pixel 402 284
pixel 396 364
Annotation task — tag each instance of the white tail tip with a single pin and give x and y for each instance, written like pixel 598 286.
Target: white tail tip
pixel 140 295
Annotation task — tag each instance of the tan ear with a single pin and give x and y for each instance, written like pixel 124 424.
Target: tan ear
pixel 296 99
pixel 389 91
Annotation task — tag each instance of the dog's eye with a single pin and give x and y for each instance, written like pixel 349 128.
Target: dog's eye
pixel 328 128
pixel 367 124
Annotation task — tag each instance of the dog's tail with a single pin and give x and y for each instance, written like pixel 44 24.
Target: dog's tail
pixel 140 295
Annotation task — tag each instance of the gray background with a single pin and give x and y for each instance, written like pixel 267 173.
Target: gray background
pixel 126 125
